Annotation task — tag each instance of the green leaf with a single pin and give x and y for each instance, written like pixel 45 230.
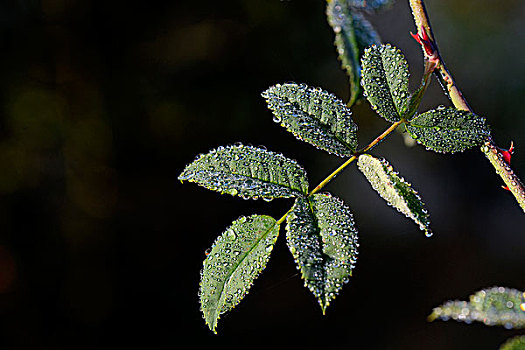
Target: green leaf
pixel 516 343
pixel 395 190
pixel 247 171
pixel 448 130
pixel 385 81
pixel 315 116
pixel 322 238
pixel 353 33
pixel 497 306
pixel 235 260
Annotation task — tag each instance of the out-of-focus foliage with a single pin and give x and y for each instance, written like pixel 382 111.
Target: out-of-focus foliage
pixel 497 306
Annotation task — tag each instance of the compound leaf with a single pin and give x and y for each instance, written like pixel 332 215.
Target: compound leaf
pixel 516 343
pixel 448 130
pixel 395 190
pixel 235 260
pixel 353 33
pixel 497 306
pixel 322 238
pixel 247 171
pixel 315 116
pixel 385 81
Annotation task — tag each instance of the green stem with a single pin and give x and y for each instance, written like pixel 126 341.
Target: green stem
pixel 281 220
pixel 331 176
pixel 381 137
pixel 415 99
pixel 491 151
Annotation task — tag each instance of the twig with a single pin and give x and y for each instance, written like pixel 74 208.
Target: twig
pixel 431 52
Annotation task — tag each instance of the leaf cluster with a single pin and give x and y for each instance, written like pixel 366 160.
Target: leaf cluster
pixel 320 230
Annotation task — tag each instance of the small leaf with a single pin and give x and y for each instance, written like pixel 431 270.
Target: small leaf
pixel 395 190
pixel 385 81
pixel 516 343
pixel 234 262
pixel 370 4
pixel 322 238
pixel 448 130
pixel 497 306
pixel 353 33
pixel 315 116
pixel 247 171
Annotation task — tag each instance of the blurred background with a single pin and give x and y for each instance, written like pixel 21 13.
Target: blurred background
pixel 102 103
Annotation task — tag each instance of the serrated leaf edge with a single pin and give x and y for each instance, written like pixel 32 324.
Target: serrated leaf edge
pixel 234 192
pixel 275 225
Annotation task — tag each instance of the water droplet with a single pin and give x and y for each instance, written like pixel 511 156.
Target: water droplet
pixel 231 234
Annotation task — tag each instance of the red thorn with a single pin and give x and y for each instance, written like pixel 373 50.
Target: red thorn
pixel 506 188
pixel 425 35
pixel 424 40
pixel 416 38
pixel 507 153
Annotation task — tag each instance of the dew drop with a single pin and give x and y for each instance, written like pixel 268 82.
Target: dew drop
pixel 231 234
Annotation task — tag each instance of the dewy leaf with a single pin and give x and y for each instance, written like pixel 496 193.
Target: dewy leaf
pixel 235 260
pixel 385 81
pixel 322 238
pixel 353 33
pixel 315 116
pixel 448 130
pixel 370 4
pixel 497 306
pixel 395 190
pixel 247 171
pixel 516 343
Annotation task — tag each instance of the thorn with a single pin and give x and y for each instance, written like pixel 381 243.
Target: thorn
pixel 416 38
pixel 424 40
pixel 505 188
pixel 507 153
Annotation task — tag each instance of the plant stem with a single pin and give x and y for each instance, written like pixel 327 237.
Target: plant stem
pixel 491 151
pixel 380 137
pixel 331 176
pixel 281 220
pixel 422 22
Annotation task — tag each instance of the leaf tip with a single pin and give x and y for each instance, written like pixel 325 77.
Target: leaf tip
pixel 213 328
pixel 211 320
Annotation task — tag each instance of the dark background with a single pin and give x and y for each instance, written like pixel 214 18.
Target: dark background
pixel 102 103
